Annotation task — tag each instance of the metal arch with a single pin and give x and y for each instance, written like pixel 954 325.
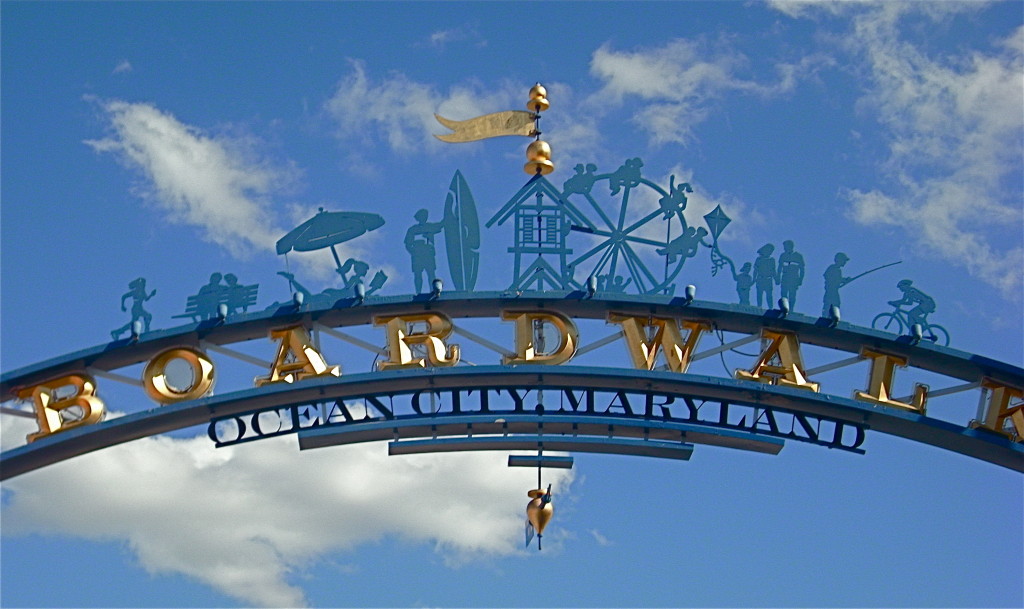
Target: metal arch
pixel 975 443
pixel 353 312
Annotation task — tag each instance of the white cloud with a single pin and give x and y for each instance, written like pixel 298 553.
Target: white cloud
pixel 440 39
pixel 196 179
pixel 599 538
pixel 400 111
pixel 679 82
pixel 255 538
pixel 123 67
pixel 953 125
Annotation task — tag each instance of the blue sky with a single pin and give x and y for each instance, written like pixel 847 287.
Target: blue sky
pixel 172 140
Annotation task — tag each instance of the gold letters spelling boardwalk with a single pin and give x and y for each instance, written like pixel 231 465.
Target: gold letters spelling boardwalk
pixel 419 340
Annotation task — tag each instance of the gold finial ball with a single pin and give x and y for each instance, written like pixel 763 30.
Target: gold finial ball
pixel 538 99
pixel 538 150
pixel 541 167
pixel 538 156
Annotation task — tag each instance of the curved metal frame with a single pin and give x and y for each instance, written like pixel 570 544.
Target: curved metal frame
pixel 351 312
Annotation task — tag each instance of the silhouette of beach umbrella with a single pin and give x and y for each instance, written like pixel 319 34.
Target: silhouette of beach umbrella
pixel 327 229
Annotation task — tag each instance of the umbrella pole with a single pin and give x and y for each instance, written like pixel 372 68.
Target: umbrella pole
pixel 336 259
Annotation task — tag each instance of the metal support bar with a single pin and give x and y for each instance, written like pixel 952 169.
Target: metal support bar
pixel 480 340
pixel 835 365
pixel 736 343
pixel 558 462
pixel 236 354
pixel 621 446
pixel 947 391
pixel 599 343
pixel 112 376
pixel 17 413
pixel 351 339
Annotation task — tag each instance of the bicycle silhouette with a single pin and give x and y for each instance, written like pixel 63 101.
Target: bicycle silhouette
pixel 898 322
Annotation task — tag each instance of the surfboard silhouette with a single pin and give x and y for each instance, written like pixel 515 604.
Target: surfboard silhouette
pixel 461 234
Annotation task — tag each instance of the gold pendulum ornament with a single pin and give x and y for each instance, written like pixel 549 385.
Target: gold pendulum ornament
pixel 538 153
pixel 539 511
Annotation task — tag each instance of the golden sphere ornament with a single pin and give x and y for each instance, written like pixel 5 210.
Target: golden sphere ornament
pixel 538 99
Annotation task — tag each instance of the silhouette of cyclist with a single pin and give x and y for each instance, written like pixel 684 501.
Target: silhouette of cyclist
pixel 911 295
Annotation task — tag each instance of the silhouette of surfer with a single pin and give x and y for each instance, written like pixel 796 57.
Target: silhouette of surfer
pixel 137 292
pixel 419 242
pixel 833 281
pixel 765 274
pixel 791 272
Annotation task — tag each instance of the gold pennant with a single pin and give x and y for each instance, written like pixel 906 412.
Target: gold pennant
pixel 510 122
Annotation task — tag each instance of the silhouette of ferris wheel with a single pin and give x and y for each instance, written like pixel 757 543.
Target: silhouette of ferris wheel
pixel 640 239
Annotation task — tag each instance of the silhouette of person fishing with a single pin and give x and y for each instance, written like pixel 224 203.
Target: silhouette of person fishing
pixel 833 281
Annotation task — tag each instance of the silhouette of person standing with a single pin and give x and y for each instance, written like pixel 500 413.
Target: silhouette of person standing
pixel 419 242
pixel 791 272
pixel 765 274
pixel 833 281
pixel 743 283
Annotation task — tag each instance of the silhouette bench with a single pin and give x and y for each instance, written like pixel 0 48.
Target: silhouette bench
pixel 205 304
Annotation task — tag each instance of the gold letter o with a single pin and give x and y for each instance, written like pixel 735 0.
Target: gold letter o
pixel 155 378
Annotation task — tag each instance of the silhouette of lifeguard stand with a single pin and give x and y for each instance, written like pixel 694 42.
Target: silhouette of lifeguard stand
pixel 542 222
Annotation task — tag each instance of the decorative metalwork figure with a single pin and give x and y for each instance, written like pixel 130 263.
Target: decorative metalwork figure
pixel 791 272
pixel 354 272
pixel 461 234
pixel 207 302
pixel 628 176
pixel 327 229
pixel 137 292
pixel 898 320
pixel 744 281
pixel 625 225
pixel 833 281
pixel 765 274
pixel 419 242
pixel 582 181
